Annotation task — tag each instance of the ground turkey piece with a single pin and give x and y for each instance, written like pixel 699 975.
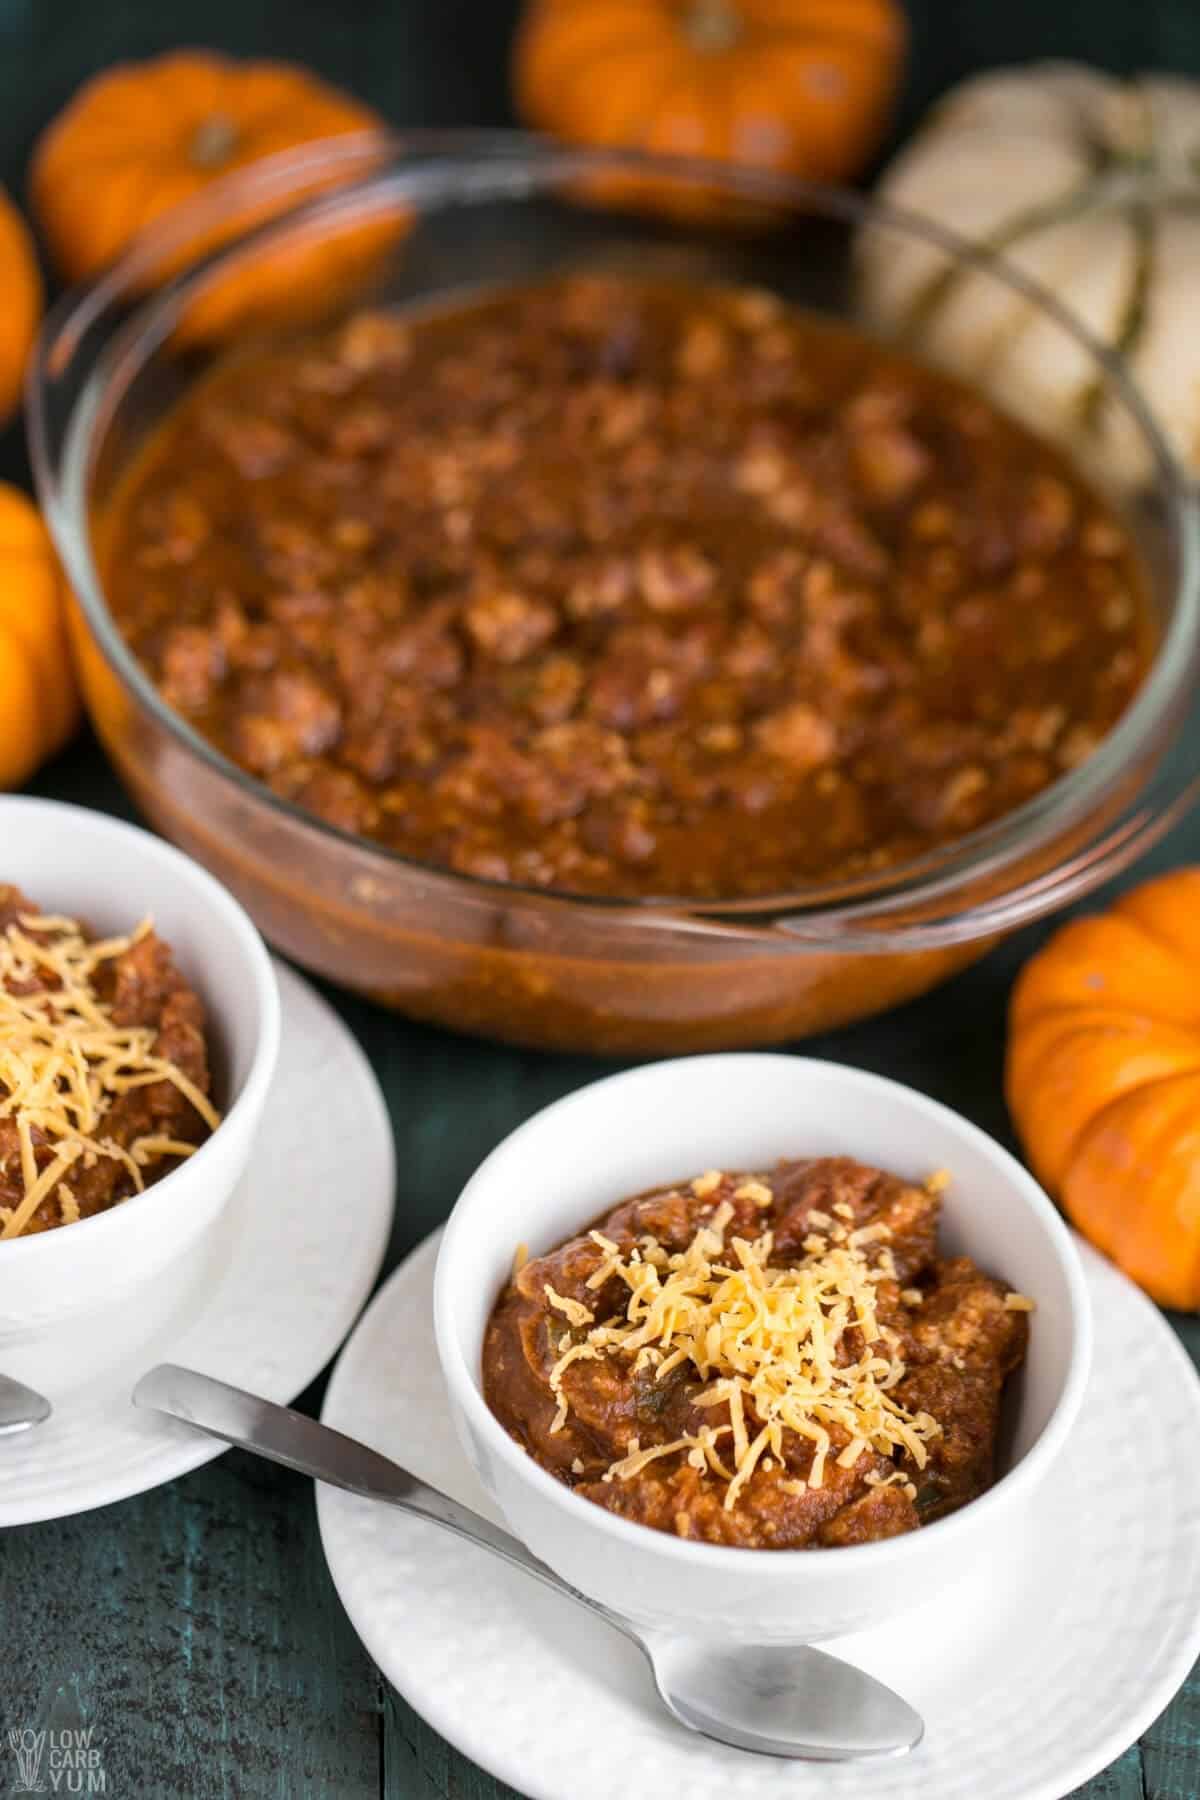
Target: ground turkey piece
pixel 624 587
pixel 960 1346
pixel 143 988
pixel 958 1341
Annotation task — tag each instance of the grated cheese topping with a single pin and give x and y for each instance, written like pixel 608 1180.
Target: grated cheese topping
pixel 795 1348
pixel 63 1063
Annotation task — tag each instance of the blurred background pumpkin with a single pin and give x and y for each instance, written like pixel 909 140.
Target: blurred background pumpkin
pixel 39 701
pixel 21 308
pixel 139 139
pixel 1089 184
pixel 796 87
pixel 163 133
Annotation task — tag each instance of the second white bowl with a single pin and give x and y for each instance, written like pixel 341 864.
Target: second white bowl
pixel 671 1120
pixel 110 875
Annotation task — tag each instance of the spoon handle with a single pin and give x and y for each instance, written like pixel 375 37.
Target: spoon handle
pixel 784 1702
pixel 298 1442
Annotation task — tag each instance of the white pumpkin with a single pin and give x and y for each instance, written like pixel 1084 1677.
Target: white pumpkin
pixel 1091 186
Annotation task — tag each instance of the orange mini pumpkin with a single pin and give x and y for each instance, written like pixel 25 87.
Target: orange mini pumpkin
pixel 39 700
pixel 798 87
pixel 1103 1080
pixel 141 138
pixel 146 138
pixel 21 286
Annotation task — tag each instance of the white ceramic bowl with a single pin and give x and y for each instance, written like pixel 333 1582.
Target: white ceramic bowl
pixel 671 1120
pixel 110 875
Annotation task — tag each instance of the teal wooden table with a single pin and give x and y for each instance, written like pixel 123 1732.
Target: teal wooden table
pixel 196 1627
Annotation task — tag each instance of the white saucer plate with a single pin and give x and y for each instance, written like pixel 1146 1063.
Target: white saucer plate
pixel 278 1287
pixel 1030 1682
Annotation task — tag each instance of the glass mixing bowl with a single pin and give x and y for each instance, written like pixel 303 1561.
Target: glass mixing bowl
pixel 399 221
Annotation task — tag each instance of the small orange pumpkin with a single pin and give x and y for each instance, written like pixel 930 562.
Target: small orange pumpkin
pixel 21 286
pixel 1103 1080
pixel 141 138
pixel 144 138
pixel 39 700
pixel 797 87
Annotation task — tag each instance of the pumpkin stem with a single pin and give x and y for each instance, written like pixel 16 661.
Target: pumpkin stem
pixel 712 25
pixel 214 141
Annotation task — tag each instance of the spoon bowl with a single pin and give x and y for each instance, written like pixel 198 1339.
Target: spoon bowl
pixel 772 1698
pixel 776 1700
pixel 21 1407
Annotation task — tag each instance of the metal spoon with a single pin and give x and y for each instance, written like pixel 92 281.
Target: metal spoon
pixel 775 1699
pixel 20 1406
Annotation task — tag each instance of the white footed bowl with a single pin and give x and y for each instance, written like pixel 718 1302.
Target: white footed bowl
pixel 671 1120
pixel 110 875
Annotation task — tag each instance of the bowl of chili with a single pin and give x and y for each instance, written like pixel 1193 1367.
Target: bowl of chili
pixel 814 1545
pixel 186 964
pixel 572 630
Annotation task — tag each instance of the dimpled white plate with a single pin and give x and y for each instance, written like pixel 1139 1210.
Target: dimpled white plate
pixel 292 1260
pixel 1029 1683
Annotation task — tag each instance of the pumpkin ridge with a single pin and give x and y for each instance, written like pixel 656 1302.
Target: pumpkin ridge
pixel 1137 1087
pixel 684 86
pixel 720 100
pixel 1081 1039
pixel 634 105
pixel 145 192
pixel 1140 923
pixel 282 108
pixel 1026 1005
pixel 1110 1212
pixel 1091 402
pixel 933 295
pixel 573 76
pixel 1019 318
pixel 629 30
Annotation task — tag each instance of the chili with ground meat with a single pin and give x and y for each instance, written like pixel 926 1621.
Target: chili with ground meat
pixel 624 587
pixel 109 1093
pixel 951 1334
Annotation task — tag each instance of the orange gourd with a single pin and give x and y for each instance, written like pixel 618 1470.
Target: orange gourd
pixel 141 138
pixel 144 138
pixel 1103 1080
pixel 39 700
pixel 797 87
pixel 21 286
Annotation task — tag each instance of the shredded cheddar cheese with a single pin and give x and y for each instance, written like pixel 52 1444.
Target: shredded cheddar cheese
pixel 573 1311
pixel 795 1348
pixel 63 1063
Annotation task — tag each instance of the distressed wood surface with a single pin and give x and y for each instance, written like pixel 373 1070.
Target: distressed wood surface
pixel 195 1628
